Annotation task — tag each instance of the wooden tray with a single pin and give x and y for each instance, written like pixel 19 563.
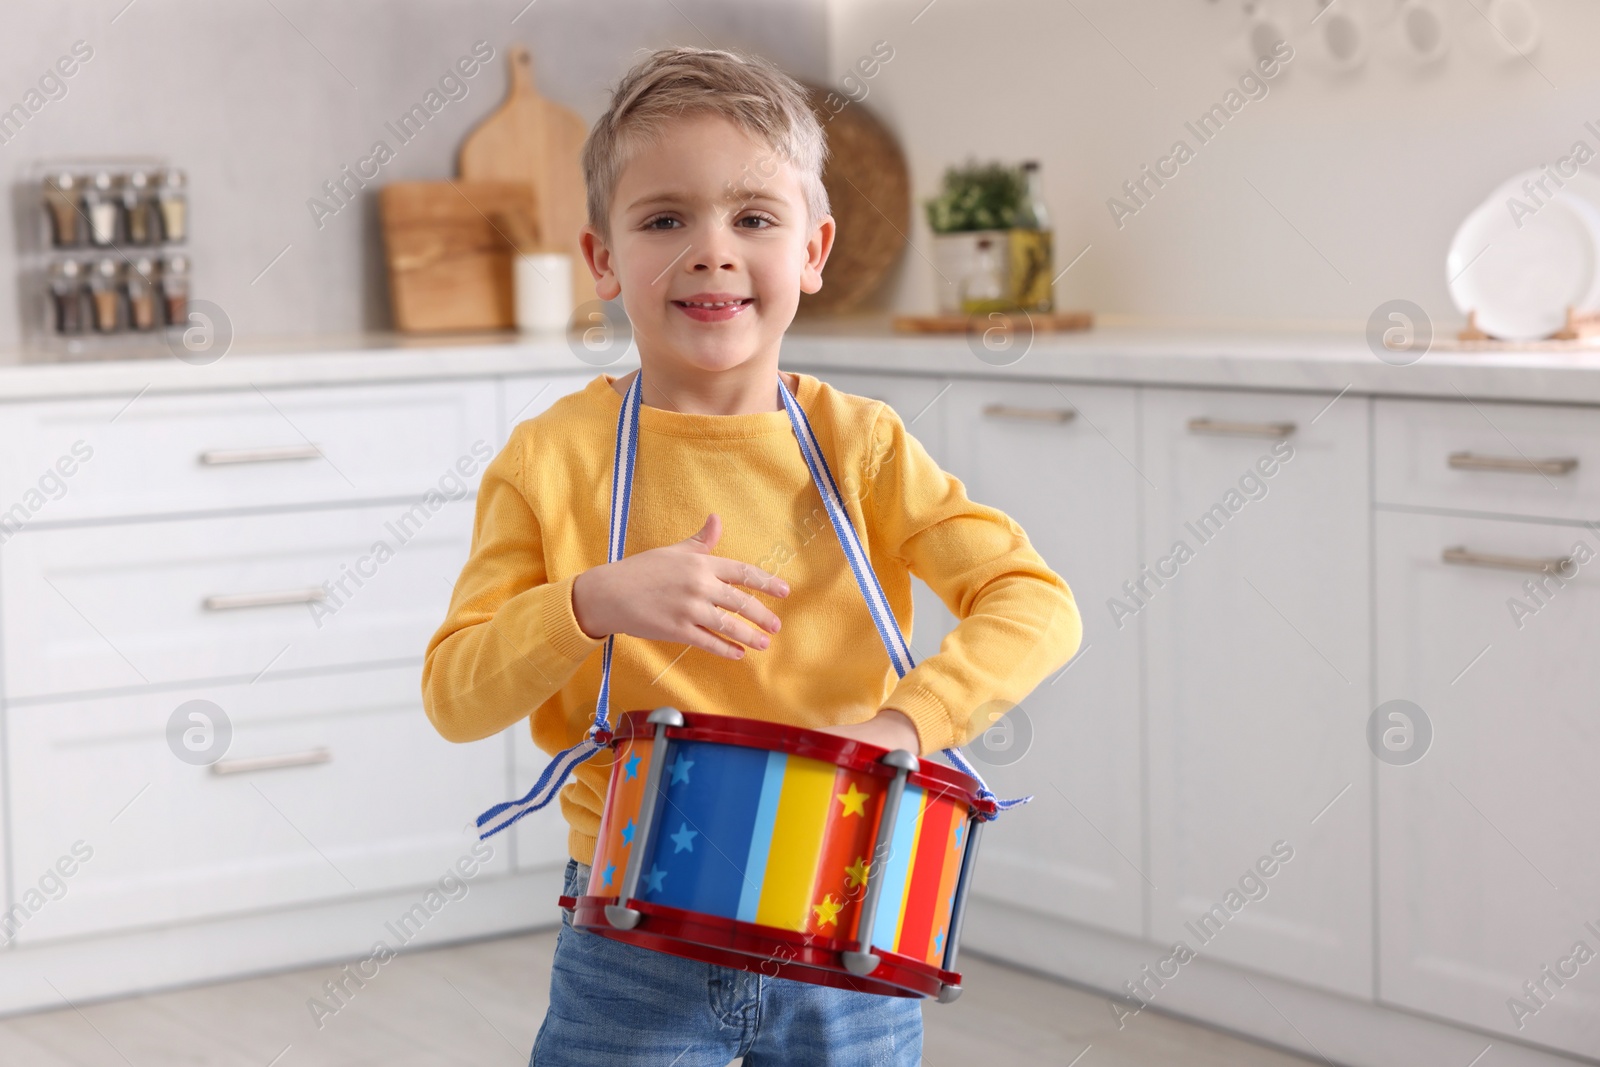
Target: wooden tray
pixel 1043 322
pixel 449 264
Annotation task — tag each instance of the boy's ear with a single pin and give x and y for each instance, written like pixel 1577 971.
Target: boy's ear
pixel 598 256
pixel 818 246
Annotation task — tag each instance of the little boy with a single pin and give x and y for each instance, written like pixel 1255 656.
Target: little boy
pixel 708 217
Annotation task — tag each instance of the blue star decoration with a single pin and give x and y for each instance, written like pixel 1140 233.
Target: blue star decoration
pixel 627 833
pixel 960 829
pixel 680 770
pixel 952 902
pixel 684 839
pixel 631 767
pixel 653 879
pixel 938 942
pixel 611 869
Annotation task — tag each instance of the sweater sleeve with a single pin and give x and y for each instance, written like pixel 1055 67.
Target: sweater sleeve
pixel 510 640
pixel 1018 619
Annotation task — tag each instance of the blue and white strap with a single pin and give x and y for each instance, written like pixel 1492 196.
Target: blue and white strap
pixel 599 735
pixel 867 578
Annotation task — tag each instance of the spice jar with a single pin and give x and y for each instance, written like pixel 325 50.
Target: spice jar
pixel 66 296
pixel 174 200
pixel 138 209
pixel 102 205
pixel 175 289
pixel 141 289
pixel 61 204
pixel 107 295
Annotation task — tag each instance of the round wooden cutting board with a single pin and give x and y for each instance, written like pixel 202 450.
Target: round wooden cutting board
pixel 870 192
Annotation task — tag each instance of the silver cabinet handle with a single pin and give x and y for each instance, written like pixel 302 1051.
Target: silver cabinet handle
pixel 1225 428
pixel 221 457
pixel 1467 461
pixel 1464 557
pixel 246 764
pixel 1011 411
pixel 234 601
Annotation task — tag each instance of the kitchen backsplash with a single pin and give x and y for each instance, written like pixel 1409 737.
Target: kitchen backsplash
pixel 1324 194
pixel 275 109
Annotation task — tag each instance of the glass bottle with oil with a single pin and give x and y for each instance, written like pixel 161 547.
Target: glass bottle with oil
pixel 1031 246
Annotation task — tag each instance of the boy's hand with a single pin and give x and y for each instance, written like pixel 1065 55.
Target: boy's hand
pixel 889 729
pixel 679 593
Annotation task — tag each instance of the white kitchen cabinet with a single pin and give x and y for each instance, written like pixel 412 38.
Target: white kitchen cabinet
pixel 1485 844
pixel 1060 460
pixel 105 606
pixel 1258 678
pixel 163 454
pixel 366 797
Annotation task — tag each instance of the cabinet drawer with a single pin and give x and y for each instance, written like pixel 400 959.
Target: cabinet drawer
pixel 95 607
pixel 87 459
pixel 1509 459
pixel 167 841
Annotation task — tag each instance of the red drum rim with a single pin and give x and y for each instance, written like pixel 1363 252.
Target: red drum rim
pixel 800 741
pixel 746 946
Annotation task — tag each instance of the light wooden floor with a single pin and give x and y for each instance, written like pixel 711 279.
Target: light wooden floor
pixel 479 1005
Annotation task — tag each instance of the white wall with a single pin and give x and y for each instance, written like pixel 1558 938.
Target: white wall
pixel 263 102
pixel 1374 169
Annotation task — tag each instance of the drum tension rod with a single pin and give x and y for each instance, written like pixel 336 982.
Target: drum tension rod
pixel 619 914
pixel 863 961
pixel 958 909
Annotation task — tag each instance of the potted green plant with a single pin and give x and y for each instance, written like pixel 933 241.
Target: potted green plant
pixel 976 200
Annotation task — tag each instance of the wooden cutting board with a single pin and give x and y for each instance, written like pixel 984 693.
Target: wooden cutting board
pixel 1042 322
pixel 449 263
pixel 531 139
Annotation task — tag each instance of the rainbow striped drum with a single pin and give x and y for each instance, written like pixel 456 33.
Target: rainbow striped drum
pixel 798 853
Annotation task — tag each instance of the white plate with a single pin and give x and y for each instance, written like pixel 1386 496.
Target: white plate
pixel 1520 274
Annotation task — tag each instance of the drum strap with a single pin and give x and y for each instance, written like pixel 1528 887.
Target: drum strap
pixel 599 735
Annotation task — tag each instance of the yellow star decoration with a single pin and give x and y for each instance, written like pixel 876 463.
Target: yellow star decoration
pixel 856 873
pixel 828 910
pixel 854 801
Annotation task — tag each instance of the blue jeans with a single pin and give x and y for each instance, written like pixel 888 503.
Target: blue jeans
pixel 616 1004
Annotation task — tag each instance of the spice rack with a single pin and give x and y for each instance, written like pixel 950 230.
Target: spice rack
pixel 104 260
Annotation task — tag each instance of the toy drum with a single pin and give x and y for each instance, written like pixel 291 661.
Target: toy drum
pixel 797 853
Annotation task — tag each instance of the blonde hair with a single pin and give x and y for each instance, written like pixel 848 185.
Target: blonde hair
pixel 673 83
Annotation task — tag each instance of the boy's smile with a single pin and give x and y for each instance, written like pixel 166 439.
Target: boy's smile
pixel 710 249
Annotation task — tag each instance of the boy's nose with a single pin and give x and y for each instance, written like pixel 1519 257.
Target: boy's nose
pixel 712 249
pixel 707 258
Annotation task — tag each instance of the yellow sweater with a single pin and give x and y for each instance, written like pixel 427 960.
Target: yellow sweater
pixel 510 647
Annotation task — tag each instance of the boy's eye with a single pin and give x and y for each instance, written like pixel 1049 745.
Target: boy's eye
pixel 667 222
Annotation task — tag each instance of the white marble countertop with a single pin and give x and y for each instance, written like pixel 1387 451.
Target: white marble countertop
pixel 1278 359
